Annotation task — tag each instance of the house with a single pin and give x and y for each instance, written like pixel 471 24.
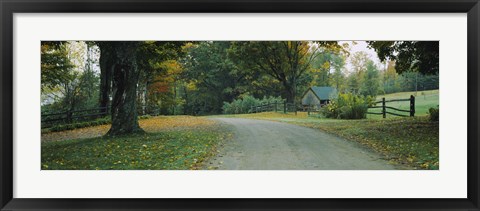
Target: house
pixel 318 96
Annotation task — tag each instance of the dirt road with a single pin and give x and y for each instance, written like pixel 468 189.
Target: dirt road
pixel 267 145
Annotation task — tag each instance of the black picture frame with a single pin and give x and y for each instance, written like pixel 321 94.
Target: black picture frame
pixel 9 7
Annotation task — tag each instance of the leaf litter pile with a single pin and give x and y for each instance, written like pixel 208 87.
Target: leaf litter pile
pixel 171 143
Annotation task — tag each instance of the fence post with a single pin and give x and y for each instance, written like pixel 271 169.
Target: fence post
pixel 285 107
pixel 308 110
pixel 295 107
pixel 412 105
pixel 384 110
pixel 69 116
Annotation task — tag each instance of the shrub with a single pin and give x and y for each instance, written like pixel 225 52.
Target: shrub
pixel 347 106
pixel 371 101
pixel 434 114
pixel 248 101
pixel 227 108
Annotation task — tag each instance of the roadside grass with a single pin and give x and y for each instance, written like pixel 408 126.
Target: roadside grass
pixel 410 142
pixel 186 144
pixel 424 100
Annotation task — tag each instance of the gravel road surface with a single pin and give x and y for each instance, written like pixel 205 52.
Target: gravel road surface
pixel 268 145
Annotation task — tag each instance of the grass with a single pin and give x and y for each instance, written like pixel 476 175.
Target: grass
pixel 410 142
pixel 185 145
pixel 423 101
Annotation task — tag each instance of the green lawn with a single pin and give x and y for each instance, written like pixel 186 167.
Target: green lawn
pixel 423 101
pixel 182 148
pixel 409 142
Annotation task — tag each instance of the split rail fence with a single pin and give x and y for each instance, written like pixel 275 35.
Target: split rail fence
pixel 290 107
pixel 384 107
pixel 274 106
pixel 70 116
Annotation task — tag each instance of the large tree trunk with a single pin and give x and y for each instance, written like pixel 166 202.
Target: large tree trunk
pixel 106 68
pixel 125 79
pixel 289 91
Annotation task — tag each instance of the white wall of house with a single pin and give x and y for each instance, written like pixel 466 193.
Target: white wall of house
pixel 310 99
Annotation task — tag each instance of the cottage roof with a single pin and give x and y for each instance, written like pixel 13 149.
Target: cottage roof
pixel 324 92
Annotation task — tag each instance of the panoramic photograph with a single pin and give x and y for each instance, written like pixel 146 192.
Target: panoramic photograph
pixel 240 105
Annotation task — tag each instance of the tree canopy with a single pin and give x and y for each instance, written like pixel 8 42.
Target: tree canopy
pixel 420 56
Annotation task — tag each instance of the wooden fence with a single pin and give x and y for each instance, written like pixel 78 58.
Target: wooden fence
pixel 274 106
pixel 67 117
pixel 290 107
pixel 384 107
pixel 70 116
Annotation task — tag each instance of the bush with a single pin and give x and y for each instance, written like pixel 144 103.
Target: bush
pixel 434 114
pixel 347 106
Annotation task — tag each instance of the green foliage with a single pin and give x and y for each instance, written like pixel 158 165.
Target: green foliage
pixel 285 63
pixel 55 65
pixel 214 76
pixel 371 79
pixel 411 81
pixel 68 86
pixel 422 56
pixel 347 106
pixel 244 104
pixel 371 101
pixel 434 114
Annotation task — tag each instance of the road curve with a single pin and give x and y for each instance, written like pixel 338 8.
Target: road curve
pixel 268 145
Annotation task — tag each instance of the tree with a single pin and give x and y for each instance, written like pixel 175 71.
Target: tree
pixel 421 56
pixel 158 70
pixel 217 79
pixel 122 64
pixel 107 63
pixel 353 83
pixel 162 90
pixel 337 78
pixel 359 61
pixel 321 67
pixel 370 85
pixel 284 61
pixel 55 65
pixel 68 81
pixel 390 76
pixel 89 79
pixel 124 88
